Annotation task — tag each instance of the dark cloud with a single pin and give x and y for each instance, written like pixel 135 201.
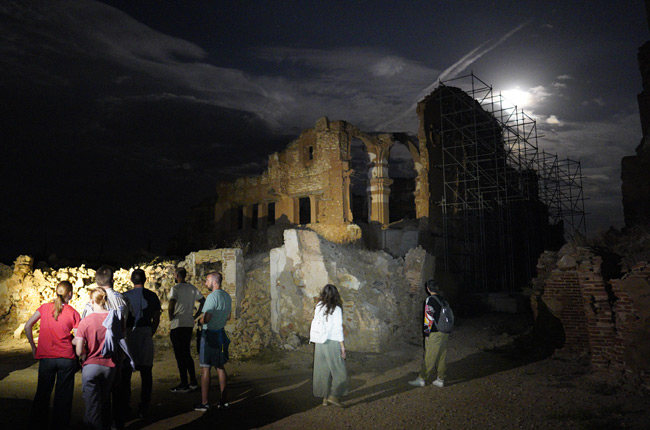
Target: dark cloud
pixel 118 116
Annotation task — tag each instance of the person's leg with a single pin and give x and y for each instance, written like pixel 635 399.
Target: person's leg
pixel 119 392
pixel 430 354
pixel 176 337
pixel 337 369
pixel 122 403
pixel 147 385
pixel 109 375
pixel 188 361
pixel 205 384
pixel 41 404
pixel 91 386
pixel 441 359
pixel 65 370
pixel 321 376
pixel 223 383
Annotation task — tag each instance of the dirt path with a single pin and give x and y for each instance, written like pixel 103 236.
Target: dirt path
pixel 491 384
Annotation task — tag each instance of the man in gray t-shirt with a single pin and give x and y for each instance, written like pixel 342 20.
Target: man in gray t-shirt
pixel 181 321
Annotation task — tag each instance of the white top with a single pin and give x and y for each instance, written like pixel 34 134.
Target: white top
pixel 185 296
pixel 328 327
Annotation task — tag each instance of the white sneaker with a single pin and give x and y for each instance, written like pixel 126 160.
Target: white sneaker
pixel 438 383
pixel 419 382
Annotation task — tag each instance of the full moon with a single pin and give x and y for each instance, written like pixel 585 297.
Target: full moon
pixel 517 97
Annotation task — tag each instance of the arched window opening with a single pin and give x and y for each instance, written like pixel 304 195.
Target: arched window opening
pixel 360 163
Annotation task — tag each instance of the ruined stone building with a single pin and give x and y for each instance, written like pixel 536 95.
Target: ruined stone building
pixel 468 188
pixel 635 169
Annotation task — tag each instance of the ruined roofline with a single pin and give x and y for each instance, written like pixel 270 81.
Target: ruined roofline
pixel 323 124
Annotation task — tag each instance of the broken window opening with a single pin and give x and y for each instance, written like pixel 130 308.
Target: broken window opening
pixel 240 218
pixel 254 218
pixel 270 216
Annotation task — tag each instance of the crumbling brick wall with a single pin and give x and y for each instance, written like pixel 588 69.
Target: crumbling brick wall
pixel 607 319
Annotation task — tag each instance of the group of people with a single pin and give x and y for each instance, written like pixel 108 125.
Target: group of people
pixel 113 337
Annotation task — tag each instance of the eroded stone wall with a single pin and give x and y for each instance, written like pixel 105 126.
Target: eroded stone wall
pixel 381 294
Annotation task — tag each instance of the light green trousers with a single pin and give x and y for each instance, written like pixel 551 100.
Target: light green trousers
pixel 330 375
pixel 435 355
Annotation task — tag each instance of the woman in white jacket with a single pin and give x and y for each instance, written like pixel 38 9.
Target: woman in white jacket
pixel 330 375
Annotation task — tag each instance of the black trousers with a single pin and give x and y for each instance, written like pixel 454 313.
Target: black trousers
pixel 181 338
pixel 51 371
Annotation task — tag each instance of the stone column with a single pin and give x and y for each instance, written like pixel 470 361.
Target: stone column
pixel 378 180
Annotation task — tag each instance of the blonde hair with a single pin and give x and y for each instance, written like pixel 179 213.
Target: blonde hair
pixel 62 290
pixel 98 296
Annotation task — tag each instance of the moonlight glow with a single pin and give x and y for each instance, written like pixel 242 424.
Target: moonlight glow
pixel 517 97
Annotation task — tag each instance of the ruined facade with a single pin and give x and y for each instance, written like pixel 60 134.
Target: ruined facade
pixel 635 169
pixel 332 178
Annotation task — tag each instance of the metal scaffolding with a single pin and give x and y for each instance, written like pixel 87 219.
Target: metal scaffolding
pixel 502 201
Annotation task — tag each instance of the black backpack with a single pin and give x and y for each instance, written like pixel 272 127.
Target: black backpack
pixel 445 323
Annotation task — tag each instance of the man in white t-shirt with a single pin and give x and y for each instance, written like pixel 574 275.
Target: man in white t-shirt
pixel 181 319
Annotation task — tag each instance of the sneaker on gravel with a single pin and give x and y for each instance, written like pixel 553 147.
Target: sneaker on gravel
pixel 223 405
pixel 419 382
pixel 202 407
pixel 438 383
pixel 181 388
pixel 193 387
pixel 334 401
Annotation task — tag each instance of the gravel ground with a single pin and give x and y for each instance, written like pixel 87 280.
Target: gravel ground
pixel 494 381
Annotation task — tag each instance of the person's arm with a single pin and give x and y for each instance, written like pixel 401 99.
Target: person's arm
pixel 171 308
pixel 207 316
pixel 343 355
pixel 155 322
pixel 28 330
pixel 79 348
pixel 201 303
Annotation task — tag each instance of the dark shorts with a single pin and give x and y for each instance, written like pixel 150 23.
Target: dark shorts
pixel 214 348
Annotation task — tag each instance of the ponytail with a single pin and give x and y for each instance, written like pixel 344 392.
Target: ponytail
pixel 62 290
pixel 98 296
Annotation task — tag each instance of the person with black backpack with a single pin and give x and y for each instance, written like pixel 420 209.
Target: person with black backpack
pixel 438 323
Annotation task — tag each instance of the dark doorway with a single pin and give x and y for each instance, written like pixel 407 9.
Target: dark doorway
pixel 305 210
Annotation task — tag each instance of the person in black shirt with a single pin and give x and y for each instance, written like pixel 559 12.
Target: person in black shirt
pixel 435 342
pixel 141 326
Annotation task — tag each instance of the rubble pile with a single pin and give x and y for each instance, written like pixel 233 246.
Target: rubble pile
pixel 252 330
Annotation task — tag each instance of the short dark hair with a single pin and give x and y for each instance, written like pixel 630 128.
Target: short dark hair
pixel 217 275
pixel 138 277
pixel 181 273
pixel 104 276
pixel 432 285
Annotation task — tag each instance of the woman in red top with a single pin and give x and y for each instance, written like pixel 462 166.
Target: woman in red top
pixel 57 360
pixel 98 371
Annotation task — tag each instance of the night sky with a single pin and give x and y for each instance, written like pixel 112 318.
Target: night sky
pixel 118 116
